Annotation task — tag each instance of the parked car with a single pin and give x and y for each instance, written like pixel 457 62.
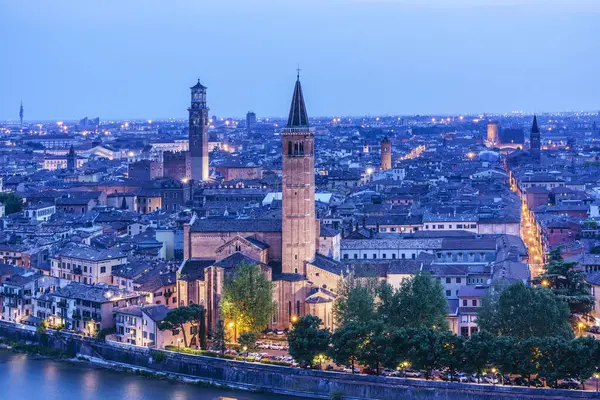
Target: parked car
pixel 369 371
pixel 520 381
pixel 411 373
pixel 568 384
pixel 349 369
pixel 460 377
pixel 536 382
pixel 594 329
pixel 506 380
pixel 490 379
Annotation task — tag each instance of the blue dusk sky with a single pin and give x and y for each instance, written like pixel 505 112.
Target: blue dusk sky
pixel 137 58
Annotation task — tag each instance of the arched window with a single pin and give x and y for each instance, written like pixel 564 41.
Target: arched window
pixel 298 307
pixel 290 148
pixel 301 148
pixel 295 148
pixel 290 309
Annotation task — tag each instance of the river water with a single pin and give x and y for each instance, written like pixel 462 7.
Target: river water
pixel 26 377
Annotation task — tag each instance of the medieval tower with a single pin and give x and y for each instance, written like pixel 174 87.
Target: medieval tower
pixel 298 188
pixel 386 154
pixel 534 142
pixel 198 138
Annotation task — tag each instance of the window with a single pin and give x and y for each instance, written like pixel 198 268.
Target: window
pixel 102 270
pixel 394 256
pixel 355 256
pixel 345 256
pixel 448 280
pixel 364 256
pixel 458 280
pixel 464 302
pixel 384 255
pixel 448 293
pixel 374 256
pixel 474 303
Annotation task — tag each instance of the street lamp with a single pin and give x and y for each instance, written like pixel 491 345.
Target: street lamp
pixel 245 348
pixel 580 325
pixel 178 342
pixel 494 370
pixel 321 359
pixel 597 376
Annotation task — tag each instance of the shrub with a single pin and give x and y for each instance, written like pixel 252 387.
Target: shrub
pixel 158 356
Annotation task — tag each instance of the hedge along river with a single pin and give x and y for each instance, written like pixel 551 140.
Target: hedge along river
pixel 24 376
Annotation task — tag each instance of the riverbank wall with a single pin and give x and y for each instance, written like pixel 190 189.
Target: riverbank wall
pixel 283 380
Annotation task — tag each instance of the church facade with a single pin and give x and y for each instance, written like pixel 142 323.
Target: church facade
pixel 286 248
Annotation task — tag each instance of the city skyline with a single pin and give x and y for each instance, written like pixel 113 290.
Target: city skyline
pixel 357 58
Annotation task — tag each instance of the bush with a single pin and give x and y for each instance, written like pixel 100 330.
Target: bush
pixel 276 362
pixel 335 395
pixel 158 356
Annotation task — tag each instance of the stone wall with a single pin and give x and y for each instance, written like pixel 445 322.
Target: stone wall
pixel 293 381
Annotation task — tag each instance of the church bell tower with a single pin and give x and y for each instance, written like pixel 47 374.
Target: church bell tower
pixel 298 188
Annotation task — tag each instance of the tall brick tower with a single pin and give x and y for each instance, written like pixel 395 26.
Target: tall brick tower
pixel 386 154
pixel 298 187
pixel 534 141
pixel 198 140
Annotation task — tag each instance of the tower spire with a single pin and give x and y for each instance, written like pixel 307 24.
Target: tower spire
pixel 298 116
pixel 21 113
pixel 534 126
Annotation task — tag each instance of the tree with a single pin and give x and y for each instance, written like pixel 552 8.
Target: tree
pixel 419 302
pixel 247 340
pixel 197 317
pixel 452 351
pixel 307 340
pixel 346 343
pixel 372 353
pixel 220 337
pixel 355 301
pixel 502 356
pixel 524 312
pixel 424 349
pixel 582 361
pixel 526 355
pixel 247 299
pixel 177 318
pixel 478 352
pixel 13 203
pixel 568 283
pixel 552 360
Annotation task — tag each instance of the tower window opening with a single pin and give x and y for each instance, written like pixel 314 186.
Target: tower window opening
pixel 290 148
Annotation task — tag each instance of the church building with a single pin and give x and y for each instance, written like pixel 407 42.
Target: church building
pixel 286 248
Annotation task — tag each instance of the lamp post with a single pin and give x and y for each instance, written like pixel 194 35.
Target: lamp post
pixel 580 325
pixel 494 376
pixel 321 358
pixel 245 348
pixel 597 376
pixel 178 342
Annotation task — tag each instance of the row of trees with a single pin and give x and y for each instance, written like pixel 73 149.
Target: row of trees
pixel 428 349
pixel 525 330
